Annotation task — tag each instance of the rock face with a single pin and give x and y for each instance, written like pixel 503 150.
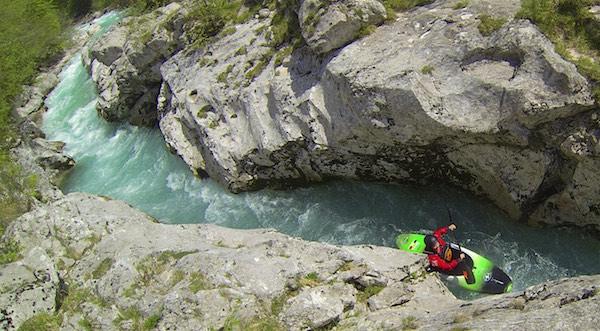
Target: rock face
pixel 100 262
pixel 330 25
pixel 125 64
pixel 424 99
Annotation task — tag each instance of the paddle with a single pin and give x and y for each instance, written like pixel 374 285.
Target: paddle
pixel 454 231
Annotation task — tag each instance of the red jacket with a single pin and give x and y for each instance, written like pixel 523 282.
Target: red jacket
pixel 437 261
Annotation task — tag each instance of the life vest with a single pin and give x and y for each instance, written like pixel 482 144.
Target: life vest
pixel 448 252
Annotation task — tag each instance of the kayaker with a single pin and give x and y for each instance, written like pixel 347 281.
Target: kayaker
pixel 439 252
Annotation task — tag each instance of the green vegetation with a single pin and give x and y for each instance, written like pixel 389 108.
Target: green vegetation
pixel 282 54
pixel 202 111
pixel 392 6
pixel 368 292
pixel 461 4
pixel 573 29
pixel 405 4
pixel 285 26
pixel 268 323
pixel 134 315
pixel 102 268
pixel 10 251
pixel 310 280
pixel 427 69
pixel 366 30
pixel 86 324
pixel 198 283
pixel 176 278
pixel 76 297
pixel 151 322
pixel 409 323
pixel 222 78
pixel 460 318
pixel 43 321
pixel 489 25
pixel 241 51
pixel 129 314
pixel 208 17
pixel 153 265
pixel 345 267
pixel 30 37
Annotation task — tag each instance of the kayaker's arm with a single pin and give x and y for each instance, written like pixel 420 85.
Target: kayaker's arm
pixel 441 264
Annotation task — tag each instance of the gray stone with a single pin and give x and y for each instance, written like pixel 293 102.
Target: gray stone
pixel 330 25
pixel 319 306
pixel 28 287
pixel 426 98
pixel 124 64
pixel 390 296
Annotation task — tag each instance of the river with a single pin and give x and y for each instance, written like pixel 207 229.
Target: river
pixel 133 164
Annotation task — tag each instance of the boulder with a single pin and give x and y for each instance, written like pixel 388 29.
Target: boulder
pixel 124 64
pixel 327 25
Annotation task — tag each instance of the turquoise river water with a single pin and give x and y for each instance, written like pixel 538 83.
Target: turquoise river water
pixel 133 164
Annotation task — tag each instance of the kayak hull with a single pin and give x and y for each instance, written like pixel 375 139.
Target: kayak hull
pixel 476 273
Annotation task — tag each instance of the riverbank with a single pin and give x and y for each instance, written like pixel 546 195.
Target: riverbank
pixel 94 263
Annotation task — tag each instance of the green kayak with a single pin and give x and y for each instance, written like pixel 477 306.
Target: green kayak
pixel 474 273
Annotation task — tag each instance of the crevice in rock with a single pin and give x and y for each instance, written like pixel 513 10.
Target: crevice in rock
pixel 62 291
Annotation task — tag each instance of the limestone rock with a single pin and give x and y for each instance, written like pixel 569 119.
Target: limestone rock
pixel 113 266
pixel 124 64
pixel 391 296
pixel 29 287
pixel 426 98
pixel 319 306
pixel 330 25
pixel 509 176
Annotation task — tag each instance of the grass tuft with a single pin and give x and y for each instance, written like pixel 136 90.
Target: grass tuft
pixel 461 4
pixel 43 321
pixel 368 292
pixel 489 25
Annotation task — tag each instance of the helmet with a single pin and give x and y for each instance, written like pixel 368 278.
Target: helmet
pixel 430 241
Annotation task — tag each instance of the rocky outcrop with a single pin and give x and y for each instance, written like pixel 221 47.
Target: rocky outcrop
pixel 100 262
pixel 125 64
pixel 330 25
pixel 426 98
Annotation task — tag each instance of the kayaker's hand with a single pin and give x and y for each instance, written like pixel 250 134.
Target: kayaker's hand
pixel 462 256
pixel 452 227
